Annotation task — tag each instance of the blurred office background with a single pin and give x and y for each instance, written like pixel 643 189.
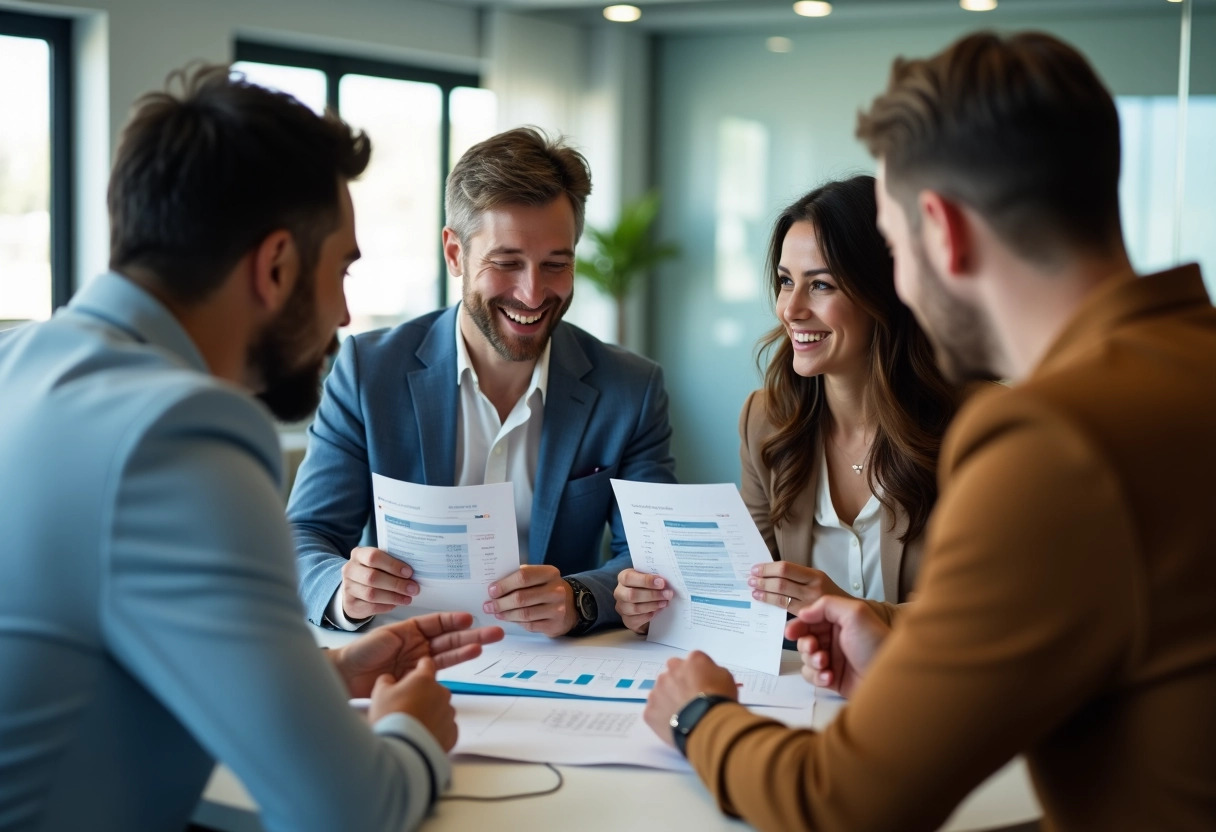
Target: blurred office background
pixel 730 108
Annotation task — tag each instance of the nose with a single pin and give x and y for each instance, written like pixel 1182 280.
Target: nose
pixel 530 290
pixel 344 320
pixel 796 307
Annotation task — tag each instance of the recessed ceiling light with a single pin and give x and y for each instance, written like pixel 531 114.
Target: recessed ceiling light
pixel 978 5
pixel 812 8
pixel 622 14
pixel 779 44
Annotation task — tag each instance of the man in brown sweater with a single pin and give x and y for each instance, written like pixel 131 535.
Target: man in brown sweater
pixel 1067 605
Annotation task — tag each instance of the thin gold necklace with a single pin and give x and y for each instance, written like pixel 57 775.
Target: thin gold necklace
pixel 857 467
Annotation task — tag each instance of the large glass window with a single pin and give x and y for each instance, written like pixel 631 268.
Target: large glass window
pixel 35 215
pixel 419 121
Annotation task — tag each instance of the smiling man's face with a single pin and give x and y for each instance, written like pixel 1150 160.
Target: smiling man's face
pixel 518 275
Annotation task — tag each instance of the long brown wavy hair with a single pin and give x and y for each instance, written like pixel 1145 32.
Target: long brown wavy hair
pixel 911 400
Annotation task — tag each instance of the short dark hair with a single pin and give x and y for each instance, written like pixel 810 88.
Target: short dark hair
pixel 519 167
pixel 1019 128
pixel 203 175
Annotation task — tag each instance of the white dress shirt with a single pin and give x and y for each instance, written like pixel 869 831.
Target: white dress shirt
pixel 851 555
pixel 489 450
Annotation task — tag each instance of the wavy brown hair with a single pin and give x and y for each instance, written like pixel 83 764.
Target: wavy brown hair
pixel 910 399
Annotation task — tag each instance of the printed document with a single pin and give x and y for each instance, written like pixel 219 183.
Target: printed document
pixel 572 732
pixel 574 669
pixel 702 541
pixel 458 540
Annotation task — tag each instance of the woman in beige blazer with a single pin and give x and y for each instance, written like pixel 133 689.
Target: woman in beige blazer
pixel 839 447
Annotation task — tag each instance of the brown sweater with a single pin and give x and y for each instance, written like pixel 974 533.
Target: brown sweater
pixel 1066 609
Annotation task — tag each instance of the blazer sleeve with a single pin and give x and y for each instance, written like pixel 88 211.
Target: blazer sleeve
pixel 331 501
pixel 754 475
pixel 199 604
pixel 646 458
pixel 1015 627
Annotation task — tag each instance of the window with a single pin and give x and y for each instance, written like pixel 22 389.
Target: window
pixel 420 121
pixel 35 167
pixel 1147 187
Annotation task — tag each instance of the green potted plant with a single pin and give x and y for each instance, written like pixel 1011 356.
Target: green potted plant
pixel 624 253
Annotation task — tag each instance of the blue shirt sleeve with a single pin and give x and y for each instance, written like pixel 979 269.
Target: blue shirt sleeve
pixel 200 605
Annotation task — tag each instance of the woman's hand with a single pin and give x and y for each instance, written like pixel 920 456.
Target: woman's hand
pixel 790 586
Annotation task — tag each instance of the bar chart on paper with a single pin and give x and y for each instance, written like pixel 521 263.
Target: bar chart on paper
pixel 527 665
pixel 580 675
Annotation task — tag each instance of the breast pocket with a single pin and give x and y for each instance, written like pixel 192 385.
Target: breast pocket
pixel 596 483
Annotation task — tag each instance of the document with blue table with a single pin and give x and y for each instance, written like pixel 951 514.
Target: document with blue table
pixel 458 540
pixel 702 540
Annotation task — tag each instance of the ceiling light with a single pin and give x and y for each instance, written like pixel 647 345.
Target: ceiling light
pixel 812 8
pixel 978 5
pixel 779 44
pixel 622 14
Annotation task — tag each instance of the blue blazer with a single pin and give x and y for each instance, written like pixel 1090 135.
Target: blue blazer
pixel 390 407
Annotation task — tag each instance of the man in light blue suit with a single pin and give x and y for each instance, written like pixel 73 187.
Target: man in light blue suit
pixel 149 615
pixel 495 389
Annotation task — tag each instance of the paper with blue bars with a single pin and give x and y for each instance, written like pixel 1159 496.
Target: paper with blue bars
pixel 702 540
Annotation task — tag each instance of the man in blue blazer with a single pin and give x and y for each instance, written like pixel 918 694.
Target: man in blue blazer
pixel 495 389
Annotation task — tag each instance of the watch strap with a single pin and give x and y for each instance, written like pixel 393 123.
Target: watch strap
pixel 688 717
pixel 581 596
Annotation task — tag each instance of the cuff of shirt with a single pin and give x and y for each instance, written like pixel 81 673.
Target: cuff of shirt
pixel 336 616
pixel 429 763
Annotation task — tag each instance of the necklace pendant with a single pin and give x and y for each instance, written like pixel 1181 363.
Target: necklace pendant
pixel 857 468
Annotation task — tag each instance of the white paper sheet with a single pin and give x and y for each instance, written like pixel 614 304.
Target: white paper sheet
pixel 570 668
pixel 703 541
pixel 458 540
pixel 573 732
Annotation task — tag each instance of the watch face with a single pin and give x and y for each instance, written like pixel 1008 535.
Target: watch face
pixel 586 605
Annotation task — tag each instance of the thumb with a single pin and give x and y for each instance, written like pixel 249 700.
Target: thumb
pixel 424 669
pixel 383 681
pixel 827 608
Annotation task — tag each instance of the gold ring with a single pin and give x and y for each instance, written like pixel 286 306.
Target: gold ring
pixel 789 599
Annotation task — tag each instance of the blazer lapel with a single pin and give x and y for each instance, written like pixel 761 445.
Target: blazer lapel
pixel 435 396
pixel 568 406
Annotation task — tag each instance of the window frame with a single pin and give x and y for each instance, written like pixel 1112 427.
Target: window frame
pixel 57 32
pixel 335 65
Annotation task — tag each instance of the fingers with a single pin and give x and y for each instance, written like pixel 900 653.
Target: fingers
pixel 640 624
pixel 538 599
pixel 786 585
pixel 527 576
pixel 373 582
pixel 639 596
pixel 465 639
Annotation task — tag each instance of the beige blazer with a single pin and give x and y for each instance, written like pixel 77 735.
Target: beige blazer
pixel 791 539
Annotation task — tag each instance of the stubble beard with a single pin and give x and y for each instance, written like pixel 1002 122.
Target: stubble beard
pixel 510 347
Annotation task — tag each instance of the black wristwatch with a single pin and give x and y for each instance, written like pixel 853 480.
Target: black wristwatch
pixel 585 605
pixel 687 718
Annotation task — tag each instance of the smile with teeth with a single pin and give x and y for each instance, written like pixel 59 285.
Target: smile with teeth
pixel 808 337
pixel 523 319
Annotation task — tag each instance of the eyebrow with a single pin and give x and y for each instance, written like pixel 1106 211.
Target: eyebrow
pixel 807 273
pixel 353 255
pixel 558 252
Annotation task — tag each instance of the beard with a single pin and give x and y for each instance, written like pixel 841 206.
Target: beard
pixel 510 346
pixel 290 389
pixel 962 339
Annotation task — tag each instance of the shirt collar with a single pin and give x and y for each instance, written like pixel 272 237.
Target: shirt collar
pixel 128 306
pixel 540 373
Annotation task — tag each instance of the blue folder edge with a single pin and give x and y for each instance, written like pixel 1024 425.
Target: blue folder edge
pixel 504 690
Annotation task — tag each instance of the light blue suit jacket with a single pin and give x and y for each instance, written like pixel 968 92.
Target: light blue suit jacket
pixel 390 408
pixel 149 615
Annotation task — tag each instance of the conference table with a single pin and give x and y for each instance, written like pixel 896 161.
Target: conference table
pixel 595 798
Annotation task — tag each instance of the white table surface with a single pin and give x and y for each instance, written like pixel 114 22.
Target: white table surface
pixel 607 798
